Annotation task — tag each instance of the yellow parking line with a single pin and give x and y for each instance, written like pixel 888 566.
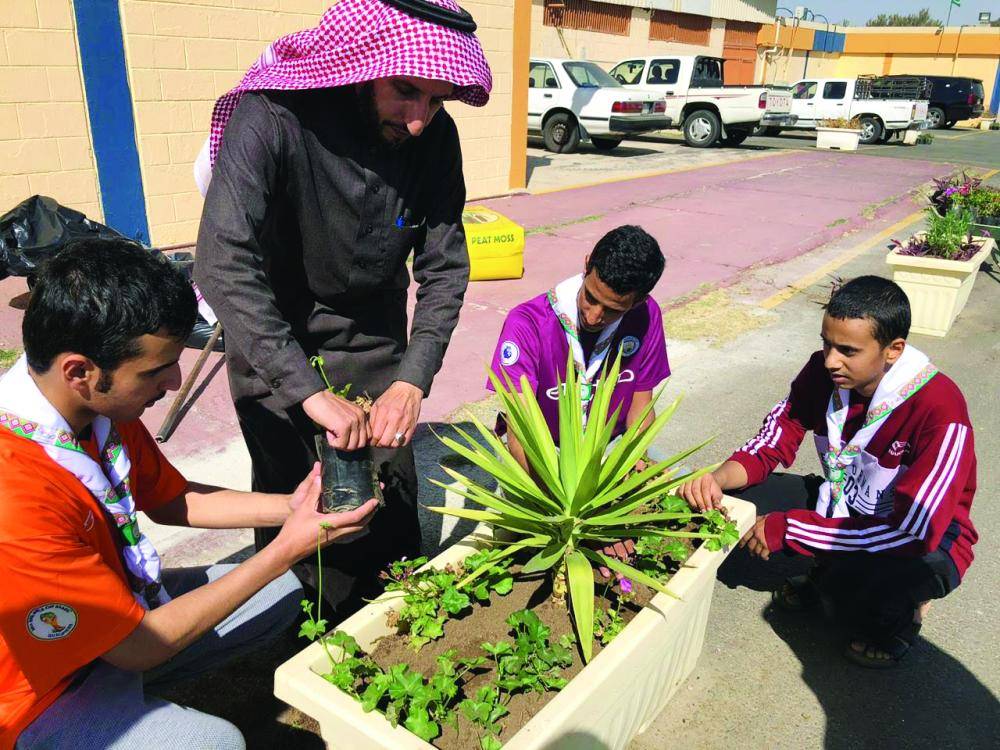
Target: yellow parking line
pixel 803 283
pixel 657 173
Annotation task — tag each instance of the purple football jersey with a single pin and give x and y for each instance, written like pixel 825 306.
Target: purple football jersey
pixel 533 343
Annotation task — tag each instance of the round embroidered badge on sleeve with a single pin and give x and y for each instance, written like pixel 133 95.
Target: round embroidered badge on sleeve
pixel 509 353
pixel 630 345
pixel 51 621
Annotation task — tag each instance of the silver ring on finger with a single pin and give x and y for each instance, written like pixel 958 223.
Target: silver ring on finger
pixel 398 438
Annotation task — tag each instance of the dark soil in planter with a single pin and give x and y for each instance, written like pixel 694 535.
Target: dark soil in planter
pixel 488 624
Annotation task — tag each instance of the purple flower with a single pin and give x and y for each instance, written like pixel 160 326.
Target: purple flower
pixel 625 585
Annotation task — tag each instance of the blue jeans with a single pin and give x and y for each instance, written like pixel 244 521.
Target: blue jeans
pixel 106 708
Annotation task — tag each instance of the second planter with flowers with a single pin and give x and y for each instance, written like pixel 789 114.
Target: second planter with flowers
pixel 521 643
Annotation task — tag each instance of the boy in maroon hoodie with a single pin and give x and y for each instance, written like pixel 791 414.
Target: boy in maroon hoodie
pixel 890 528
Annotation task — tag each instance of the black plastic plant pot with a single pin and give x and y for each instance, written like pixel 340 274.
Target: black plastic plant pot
pixel 349 479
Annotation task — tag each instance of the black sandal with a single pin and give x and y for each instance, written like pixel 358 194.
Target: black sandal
pixel 884 653
pixel 797 594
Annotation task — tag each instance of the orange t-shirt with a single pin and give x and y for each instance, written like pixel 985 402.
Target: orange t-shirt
pixel 64 598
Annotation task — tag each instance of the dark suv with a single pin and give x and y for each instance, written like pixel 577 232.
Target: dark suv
pixel 953 99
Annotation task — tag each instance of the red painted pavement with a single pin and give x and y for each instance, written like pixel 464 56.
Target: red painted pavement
pixel 713 224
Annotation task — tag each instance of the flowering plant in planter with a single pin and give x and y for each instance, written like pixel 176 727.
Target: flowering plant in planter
pixel 950 191
pixel 583 496
pixel 948 236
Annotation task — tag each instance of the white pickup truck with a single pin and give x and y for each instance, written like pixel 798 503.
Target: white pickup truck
pixel 697 98
pixel 570 100
pixel 882 105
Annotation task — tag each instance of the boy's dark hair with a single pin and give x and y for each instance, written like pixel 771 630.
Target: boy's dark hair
pixel 875 299
pixel 628 260
pixel 98 296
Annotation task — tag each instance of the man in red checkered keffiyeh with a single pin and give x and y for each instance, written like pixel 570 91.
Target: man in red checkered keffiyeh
pixel 332 161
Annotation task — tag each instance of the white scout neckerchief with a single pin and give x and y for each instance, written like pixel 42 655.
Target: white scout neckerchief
pixel 563 299
pixel 911 372
pixel 27 413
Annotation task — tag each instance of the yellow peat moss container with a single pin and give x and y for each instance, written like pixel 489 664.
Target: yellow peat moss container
pixel 496 245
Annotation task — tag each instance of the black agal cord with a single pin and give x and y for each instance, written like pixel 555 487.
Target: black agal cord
pixel 460 20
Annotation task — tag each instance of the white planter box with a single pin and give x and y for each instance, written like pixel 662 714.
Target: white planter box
pixel 612 700
pixel 937 288
pixel 910 136
pixel 985 124
pixel 837 139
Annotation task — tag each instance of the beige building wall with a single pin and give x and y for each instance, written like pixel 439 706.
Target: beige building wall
pixel 788 67
pixel 486 131
pixel 45 145
pixel 608 49
pixel 181 56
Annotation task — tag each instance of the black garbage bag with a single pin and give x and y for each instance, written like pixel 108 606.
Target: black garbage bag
pixel 38 228
pixel 202 328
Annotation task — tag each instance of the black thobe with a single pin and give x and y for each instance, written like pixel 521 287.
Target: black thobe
pixel 302 250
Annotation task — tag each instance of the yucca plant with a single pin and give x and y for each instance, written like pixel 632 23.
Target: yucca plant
pixel 577 498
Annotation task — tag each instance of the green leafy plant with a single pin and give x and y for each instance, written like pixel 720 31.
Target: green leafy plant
pixel 583 496
pixel 608 623
pixel 530 663
pixel 314 627
pixel 430 597
pixel 318 363
pixel 947 236
pixel 925 138
pixel 8 357
pixel 984 202
pixel 402 694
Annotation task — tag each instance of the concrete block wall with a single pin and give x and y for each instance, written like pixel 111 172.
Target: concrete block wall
pixel 486 131
pixel 45 144
pixel 181 56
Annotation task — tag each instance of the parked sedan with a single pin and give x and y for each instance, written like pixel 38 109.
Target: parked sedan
pixel 574 100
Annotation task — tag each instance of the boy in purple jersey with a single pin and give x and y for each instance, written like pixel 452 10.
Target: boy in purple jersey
pixel 598 313
pixel 889 528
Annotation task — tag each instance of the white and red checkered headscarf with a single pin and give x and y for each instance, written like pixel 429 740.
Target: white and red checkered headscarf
pixel 359 41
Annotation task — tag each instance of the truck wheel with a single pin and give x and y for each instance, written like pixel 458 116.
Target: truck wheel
pixel 561 133
pixel 734 137
pixel 871 129
pixel 605 144
pixel 935 118
pixel 702 128
pixel 766 130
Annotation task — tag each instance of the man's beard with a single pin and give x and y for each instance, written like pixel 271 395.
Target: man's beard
pixel 369 116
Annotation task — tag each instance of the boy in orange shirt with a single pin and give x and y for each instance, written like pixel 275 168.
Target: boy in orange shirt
pixel 86 617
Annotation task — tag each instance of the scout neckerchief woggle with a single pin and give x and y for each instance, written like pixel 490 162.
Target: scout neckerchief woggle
pixel 911 372
pixel 27 413
pixel 563 299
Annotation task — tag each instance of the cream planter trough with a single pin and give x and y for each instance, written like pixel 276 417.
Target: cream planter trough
pixel 937 288
pixel 985 124
pixel 910 136
pixel 837 139
pixel 612 700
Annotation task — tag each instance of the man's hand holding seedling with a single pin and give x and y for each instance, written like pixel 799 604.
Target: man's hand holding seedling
pixel 394 415
pixel 343 420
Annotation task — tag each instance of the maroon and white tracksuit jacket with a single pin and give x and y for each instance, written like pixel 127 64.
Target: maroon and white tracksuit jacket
pixel 907 494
